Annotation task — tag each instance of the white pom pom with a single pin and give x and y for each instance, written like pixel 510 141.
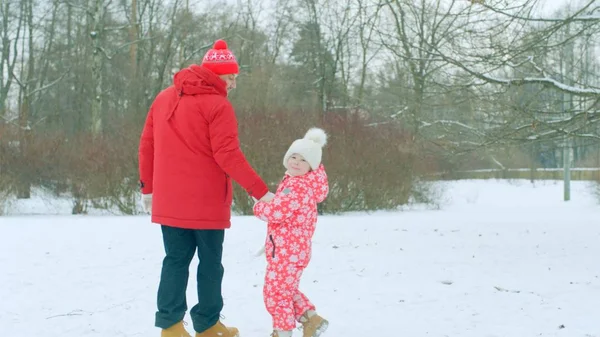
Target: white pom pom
pixel 317 135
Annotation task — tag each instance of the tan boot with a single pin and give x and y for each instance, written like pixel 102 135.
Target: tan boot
pixel 219 330
pixel 176 330
pixel 313 326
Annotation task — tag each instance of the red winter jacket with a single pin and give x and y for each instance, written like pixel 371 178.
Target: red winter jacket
pixel 190 150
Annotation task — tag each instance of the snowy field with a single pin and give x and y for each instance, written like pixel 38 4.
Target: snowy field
pixel 498 260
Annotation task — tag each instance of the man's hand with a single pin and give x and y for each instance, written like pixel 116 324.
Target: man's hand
pixel 147 202
pixel 267 197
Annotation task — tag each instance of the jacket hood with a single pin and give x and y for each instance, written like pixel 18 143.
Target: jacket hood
pixel 320 183
pixel 197 80
pixel 316 181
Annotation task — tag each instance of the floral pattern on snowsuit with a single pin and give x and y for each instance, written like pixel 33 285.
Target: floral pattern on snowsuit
pixel 291 217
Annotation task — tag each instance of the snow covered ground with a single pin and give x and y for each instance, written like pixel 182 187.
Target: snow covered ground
pixel 498 260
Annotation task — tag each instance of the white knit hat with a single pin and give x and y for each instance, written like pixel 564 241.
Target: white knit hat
pixel 310 147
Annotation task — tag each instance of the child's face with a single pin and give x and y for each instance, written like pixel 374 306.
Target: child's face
pixel 297 165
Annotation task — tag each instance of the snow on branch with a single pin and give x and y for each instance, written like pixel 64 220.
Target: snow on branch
pixel 556 128
pixel 552 134
pixel 575 90
pixel 578 91
pixel 455 123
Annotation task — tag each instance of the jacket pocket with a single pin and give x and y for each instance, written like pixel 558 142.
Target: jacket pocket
pixel 272 243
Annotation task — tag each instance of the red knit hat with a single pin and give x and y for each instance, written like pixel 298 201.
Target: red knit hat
pixel 220 60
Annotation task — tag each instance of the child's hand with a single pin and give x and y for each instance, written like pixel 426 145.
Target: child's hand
pixel 267 197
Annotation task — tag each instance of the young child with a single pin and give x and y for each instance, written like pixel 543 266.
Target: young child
pixel 291 217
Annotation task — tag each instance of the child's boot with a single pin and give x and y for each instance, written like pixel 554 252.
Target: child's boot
pixel 313 325
pixel 219 330
pixel 281 333
pixel 176 330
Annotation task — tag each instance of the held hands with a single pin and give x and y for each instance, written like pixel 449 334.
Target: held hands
pixel 267 197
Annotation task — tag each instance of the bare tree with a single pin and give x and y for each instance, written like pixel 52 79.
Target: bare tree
pixel 24 186
pixel 512 63
pixel 324 49
pixel 413 33
pixel 11 32
pixel 96 10
pixel 133 38
pixel 368 17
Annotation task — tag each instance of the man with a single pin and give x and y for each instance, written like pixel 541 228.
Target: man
pixel 189 152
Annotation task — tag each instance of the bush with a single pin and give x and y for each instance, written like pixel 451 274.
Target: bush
pixel 98 171
pixel 370 166
pixel 103 170
pixel 6 191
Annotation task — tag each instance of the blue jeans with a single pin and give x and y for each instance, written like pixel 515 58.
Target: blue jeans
pixel 180 245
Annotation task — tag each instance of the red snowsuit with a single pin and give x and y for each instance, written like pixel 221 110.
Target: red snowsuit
pixel 291 217
pixel 189 152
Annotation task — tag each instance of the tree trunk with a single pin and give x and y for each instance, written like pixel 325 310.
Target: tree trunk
pixel 24 187
pixel 133 36
pixel 96 32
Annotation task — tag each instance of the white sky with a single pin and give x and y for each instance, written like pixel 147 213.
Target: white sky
pixel 547 7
